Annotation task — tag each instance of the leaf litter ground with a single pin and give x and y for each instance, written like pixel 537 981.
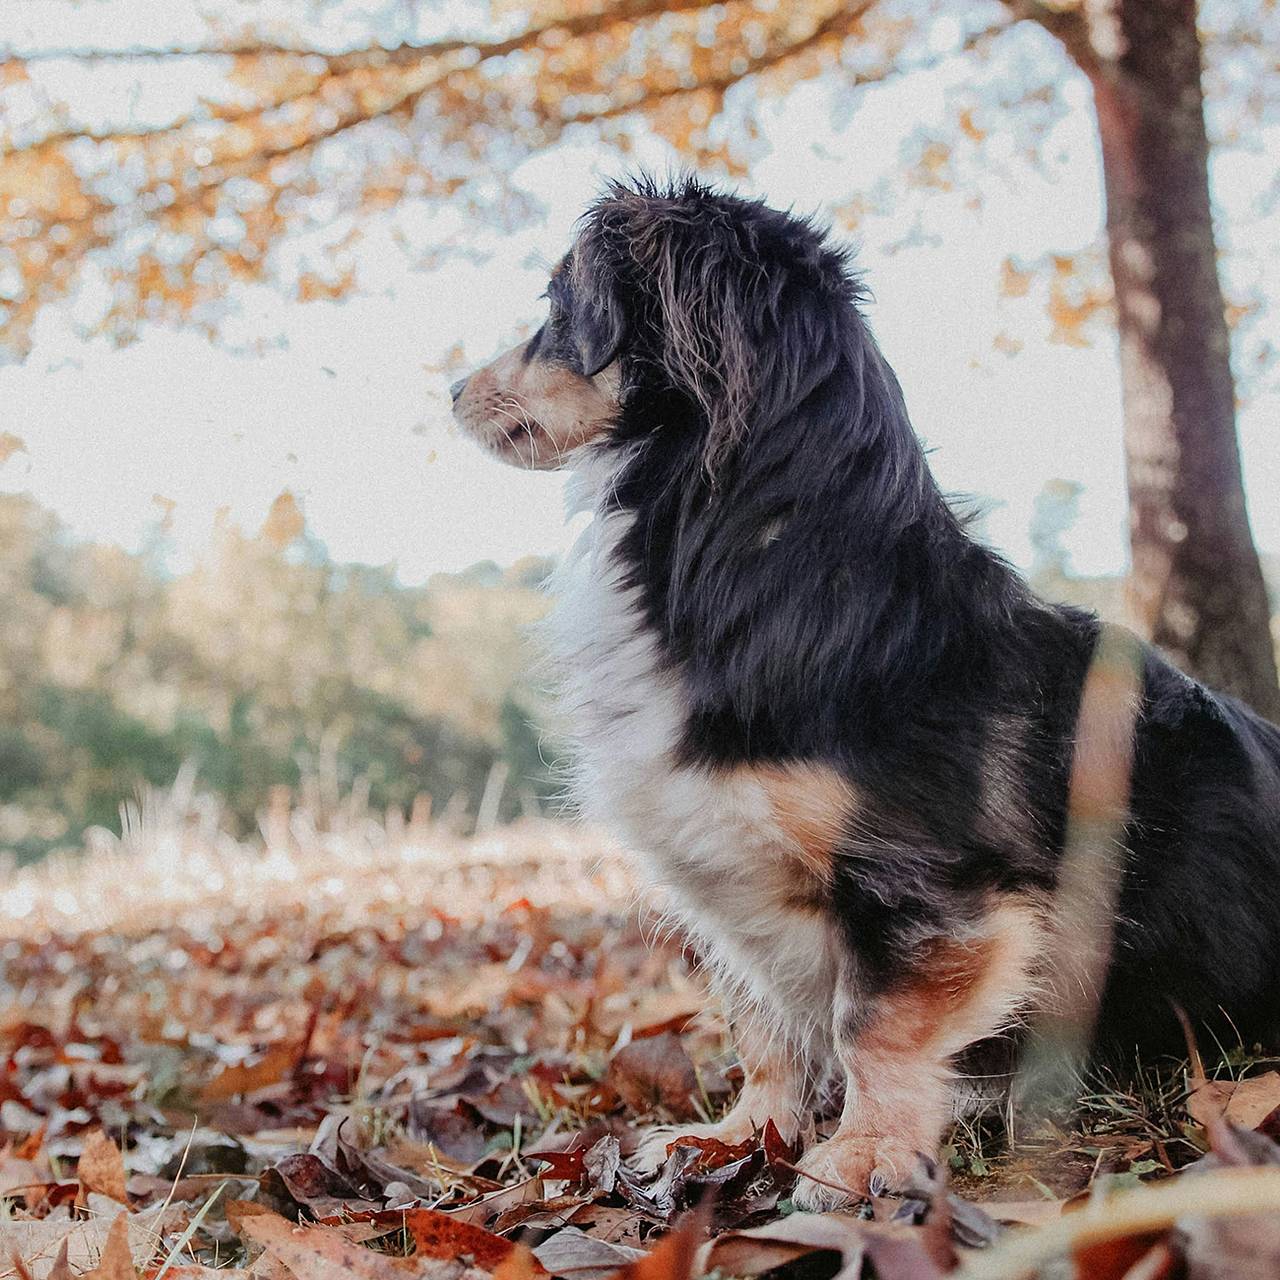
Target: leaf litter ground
pixel 374 1051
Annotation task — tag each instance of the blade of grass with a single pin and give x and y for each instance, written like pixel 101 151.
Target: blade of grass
pixel 192 1227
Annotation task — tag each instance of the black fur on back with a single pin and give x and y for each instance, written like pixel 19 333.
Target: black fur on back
pixel 819 601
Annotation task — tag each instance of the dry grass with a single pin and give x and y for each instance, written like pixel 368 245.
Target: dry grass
pixel 174 864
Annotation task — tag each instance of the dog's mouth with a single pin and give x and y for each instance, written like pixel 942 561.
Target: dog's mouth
pixel 534 414
pixel 505 428
pixel 521 439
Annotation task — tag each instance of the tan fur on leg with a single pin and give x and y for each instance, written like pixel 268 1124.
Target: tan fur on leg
pixel 897 1068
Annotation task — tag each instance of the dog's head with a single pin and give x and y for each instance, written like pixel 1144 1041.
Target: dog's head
pixel 681 292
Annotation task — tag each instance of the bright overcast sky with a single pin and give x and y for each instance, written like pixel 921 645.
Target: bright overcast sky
pixel 347 411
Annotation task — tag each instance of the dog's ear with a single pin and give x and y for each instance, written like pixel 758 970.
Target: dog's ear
pixel 598 330
pixel 597 323
pixel 745 339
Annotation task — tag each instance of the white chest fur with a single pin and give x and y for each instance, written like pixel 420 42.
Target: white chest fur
pixel 709 838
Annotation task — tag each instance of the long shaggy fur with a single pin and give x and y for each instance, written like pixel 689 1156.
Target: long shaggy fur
pixel 838 729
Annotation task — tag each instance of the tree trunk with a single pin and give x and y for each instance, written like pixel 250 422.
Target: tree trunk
pixel 1196 582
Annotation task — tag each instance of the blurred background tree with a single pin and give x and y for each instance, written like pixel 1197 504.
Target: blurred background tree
pixel 266 666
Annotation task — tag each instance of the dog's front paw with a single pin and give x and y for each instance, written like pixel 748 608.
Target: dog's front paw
pixel 848 1168
pixel 651 1152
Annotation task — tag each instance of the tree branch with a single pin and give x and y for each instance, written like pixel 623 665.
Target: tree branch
pixel 228 114
pixel 336 65
pixel 832 25
pixel 370 55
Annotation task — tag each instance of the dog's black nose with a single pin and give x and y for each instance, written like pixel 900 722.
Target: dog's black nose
pixel 457 388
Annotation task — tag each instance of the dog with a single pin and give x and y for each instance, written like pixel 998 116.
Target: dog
pixel 843 734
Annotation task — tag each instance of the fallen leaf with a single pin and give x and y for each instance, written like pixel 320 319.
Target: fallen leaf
pixel 101 1167
pixel 40 1243
pixel 319 1254
pixel 1246 1103
pixel 496 1203
pixel 777 1151
pixel 116 1262
pixel 655 1072
pixel 317 1186
pixel 674 1256
pixel 565 1166
pixel 1114 1259
pixel 573 1255
pixel 753 1252
pixel 519 1264
pixel 602 1163
pixel 269 1069
pixel 714 1154
pixel 903 1255
pixel 661 1194
pixel 440 1235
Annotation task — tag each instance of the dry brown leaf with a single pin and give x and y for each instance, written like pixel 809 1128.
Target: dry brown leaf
pixel 440 1235
pixel 116 1262
pixel 531 1190
pixel 1246 1103
pixel 19 1175
pixel 519 1264
pixel 675 1254
pixel 270 1069
pixel 101 1167
pixel 750 1253
pixel 655 1072
pixel 238 1210
pixel 41 1243
pixel 1114 1259
pixel 193 1271
pixel 573 1255
pixel 320 1254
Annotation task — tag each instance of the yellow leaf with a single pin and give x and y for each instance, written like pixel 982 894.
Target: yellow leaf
pixel 285 522
pixel 101 1167
pixel 1014 282
pixel 969 128
pixel 9 445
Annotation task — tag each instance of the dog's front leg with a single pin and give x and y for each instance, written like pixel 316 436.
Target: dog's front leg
pixel 777 1086
pixel 896 1051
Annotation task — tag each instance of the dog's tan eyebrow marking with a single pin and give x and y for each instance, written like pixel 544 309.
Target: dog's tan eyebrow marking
pixel 812 806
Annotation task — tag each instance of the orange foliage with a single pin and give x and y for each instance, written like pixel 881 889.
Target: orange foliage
pixel 184 208
pixel 181 209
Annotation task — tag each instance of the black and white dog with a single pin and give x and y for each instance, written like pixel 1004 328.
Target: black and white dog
pixel 838 730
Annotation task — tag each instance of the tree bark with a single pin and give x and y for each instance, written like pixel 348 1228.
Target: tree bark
pixel 1196 582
